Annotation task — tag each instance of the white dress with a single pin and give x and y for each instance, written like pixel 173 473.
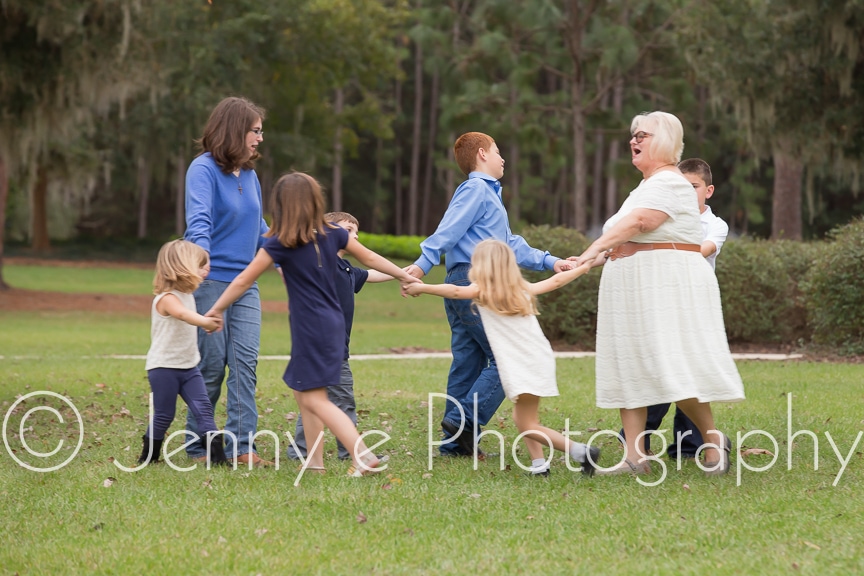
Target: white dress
pixel 660 331
pixel 524 356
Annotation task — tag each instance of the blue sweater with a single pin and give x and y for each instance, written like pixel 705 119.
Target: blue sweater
pixel 477 213
pixel 220 218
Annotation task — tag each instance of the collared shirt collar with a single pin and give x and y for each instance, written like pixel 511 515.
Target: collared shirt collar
pixel 496 184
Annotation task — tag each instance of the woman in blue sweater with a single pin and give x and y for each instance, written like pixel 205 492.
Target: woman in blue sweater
pixel 224 216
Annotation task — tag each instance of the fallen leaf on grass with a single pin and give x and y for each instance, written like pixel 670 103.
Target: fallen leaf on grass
pixel 221 540
pixel 387 486
pixel 260 531
pixel 811 545
pixel 474 495
pixel 752 451
pixel 426 476
pixel 686 487
pixel 592 429
pixel 361 518
pixel 206 483
pixel 108 482
pixel 291 416
pixel 100 385
pixel 268 410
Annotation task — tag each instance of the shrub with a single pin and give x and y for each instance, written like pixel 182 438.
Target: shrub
pixel 398 247
pixel 835 300
pixel 568 314
pixel 759 288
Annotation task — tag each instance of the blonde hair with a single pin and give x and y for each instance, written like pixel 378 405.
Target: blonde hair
pixel 177 267
pixel 667 135
pixel 503 290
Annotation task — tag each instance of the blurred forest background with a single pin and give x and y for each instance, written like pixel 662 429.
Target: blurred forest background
pixel 101 101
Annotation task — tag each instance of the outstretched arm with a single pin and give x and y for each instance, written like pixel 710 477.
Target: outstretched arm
pixel 241 283
pixel 376 276
pixel 377 262
pixel 444 290
pixel 560 279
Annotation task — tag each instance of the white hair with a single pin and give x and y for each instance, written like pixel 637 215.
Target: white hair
pixel 667 141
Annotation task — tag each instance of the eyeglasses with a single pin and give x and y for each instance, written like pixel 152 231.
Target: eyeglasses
pixel 640 136
pixel 257 131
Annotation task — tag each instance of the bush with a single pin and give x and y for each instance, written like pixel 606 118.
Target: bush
pixel 835 300
pixel 393 247
pixel 759 282
pixel 568 314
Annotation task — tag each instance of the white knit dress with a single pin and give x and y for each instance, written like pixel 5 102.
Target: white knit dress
pixel 660 331
pixel 524 356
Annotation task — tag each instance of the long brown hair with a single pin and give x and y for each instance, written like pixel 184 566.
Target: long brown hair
pixel 225 133
pixel 297 205
pixel 503 289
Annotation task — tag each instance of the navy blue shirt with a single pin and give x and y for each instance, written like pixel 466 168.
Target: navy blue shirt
pixel 349 282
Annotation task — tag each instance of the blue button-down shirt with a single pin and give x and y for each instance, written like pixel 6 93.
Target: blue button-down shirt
pixel 477 213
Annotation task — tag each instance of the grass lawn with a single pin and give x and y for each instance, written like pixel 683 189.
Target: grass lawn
pixel 89 517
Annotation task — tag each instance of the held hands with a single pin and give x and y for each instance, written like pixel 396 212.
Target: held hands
pixel 406 283
pixel 593 255
pixel 214 322
pixel 415 272
pixel 562 265
pixel 415 289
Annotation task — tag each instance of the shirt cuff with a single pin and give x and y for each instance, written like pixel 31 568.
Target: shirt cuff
pixel 549 261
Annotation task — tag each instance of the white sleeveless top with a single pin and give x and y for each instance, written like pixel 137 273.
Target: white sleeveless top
pixel 173 343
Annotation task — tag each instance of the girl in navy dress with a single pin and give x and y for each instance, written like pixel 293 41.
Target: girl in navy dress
pixel 306 247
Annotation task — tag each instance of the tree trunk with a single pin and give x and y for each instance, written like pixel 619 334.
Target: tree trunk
pixel 450 175
pixel 399 209
pixel 597 179
pixel 414 184
pixel 580 160
pixel 577 19
pixel 786 202
pixel 614 153
pixel 180 199
pixel 514 205
pixel 338 153
pixel 4 199
pixel 430 152
pixel 143 195
pixel 376 200
pixel 39 211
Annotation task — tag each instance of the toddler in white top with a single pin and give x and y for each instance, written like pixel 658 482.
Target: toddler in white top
pixel 526 365
pixel 172 361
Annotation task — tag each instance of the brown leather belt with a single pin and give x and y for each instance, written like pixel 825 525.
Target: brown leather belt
pixel 630 248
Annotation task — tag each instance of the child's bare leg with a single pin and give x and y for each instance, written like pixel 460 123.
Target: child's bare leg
pixel 312 428
pixel 701 415
pixel 525 413
pixel 317 402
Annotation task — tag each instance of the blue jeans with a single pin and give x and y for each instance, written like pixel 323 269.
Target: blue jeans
pixel 343 397
pixel 235 347
pixel 473 371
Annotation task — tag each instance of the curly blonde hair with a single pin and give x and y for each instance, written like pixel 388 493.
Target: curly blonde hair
pixel 177 267
pixel 502 288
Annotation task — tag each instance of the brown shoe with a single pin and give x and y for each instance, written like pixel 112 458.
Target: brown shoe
pixel 252 460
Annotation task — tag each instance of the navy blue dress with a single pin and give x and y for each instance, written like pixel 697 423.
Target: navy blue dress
pixel 316 319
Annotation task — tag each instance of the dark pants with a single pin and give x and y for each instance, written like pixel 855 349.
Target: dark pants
pixel 167 384
pixel 473 373
pixel 681 425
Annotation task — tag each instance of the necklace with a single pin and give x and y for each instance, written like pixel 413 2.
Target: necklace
pixel 236 175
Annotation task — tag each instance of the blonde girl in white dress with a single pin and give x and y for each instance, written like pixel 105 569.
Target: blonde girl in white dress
pixel 508 307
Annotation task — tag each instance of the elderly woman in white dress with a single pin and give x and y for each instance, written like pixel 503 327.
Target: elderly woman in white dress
pixel 660 332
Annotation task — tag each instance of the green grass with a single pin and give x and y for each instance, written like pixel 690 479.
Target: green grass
pixel 451 518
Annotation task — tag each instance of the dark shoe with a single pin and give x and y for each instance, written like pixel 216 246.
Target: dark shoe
pixel 216 451
pixel 589 465
pixel 146 456
pixel 463 439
